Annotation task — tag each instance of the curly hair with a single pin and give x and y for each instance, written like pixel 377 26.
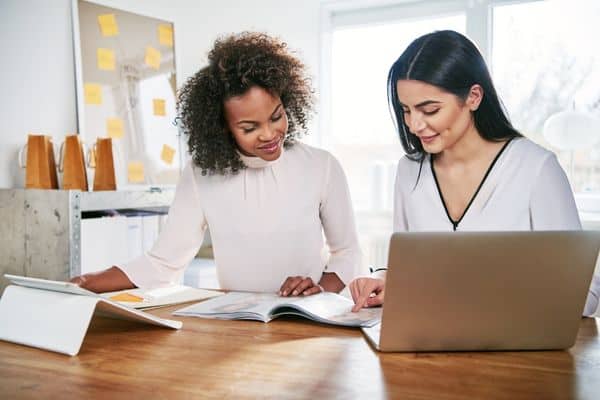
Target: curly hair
pixel 235 64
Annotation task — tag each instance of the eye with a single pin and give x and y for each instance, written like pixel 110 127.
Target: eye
pixel 430 112
pixel 248 129
pixel 277 117
pixel 405 111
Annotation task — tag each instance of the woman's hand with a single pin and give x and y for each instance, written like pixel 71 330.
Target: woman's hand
pixel 367 292
pixel 299 286
pixel 109 280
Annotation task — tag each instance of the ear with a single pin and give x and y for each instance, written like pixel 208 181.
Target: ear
pixel 474 97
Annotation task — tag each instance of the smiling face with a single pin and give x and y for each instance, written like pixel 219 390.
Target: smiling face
pixel 438 118
pixel 258 123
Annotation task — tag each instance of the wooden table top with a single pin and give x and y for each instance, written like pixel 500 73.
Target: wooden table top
pixel 286 358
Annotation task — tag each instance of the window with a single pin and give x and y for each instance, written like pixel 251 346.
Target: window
pixel 542 58
pixel 548 66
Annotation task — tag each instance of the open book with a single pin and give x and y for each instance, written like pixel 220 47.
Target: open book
pixel 327 307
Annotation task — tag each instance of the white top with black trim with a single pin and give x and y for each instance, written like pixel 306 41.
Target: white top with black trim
pixel 525 188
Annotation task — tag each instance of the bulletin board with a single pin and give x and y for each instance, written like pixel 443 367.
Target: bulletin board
pixel 126 90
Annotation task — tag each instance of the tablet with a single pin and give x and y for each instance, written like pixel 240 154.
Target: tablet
pixel 45 284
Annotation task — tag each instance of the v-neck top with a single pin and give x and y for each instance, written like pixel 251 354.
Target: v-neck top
pixel 454 222
pixel 274 219
pixel 526 189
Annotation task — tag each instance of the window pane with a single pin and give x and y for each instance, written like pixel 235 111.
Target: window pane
pixel 545 60
pixel 363 137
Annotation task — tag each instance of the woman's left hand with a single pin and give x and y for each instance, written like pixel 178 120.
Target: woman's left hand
pixel 299 286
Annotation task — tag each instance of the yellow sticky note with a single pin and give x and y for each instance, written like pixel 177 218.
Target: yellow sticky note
pixel 114 128
pixel 167 154
pixel 108 25
pixel 135 172
pixel 92 93
pixel 165 35
pixel 159 107
pixel 152 58
pixel 132 298
pixel 106 59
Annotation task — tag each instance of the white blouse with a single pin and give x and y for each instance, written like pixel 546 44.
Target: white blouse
pixel 526 189
pixel 267 222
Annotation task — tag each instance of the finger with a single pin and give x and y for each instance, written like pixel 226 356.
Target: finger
pixel 365 290
pixel 285 284
pixel 78 280
pixel 375 300
pixel 291 285
pixel 302 286
pixel 312 290
pixel 354 288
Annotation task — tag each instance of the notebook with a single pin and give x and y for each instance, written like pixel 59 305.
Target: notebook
pixel 472 291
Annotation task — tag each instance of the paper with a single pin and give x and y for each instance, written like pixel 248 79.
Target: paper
pixel 106 59
pixel 114 128
pixel 167 154
pixel 152 58
pixel 92 93
pixel 159 107
pixel 127 297
pixel 165 35
pixel 326 307
pixel 108 25
pixel 159 297
pixel 135 172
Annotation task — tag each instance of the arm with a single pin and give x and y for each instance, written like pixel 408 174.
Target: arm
pixel 178 242
pixel 553 207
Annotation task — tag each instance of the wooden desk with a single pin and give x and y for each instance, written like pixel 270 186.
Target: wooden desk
pixel 290 358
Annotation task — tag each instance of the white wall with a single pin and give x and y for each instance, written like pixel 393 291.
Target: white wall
pixel 38 78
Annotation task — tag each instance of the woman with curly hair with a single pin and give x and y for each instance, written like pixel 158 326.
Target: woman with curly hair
pixel 266 198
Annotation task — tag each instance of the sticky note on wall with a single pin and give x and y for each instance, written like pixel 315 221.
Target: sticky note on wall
pixel 152 58
pixel 106 59
pixel 165 35
pixel 167 154
pixel 114 128
pixel 108 25
pixel 135 172
pixel 159 107
pixel 92 92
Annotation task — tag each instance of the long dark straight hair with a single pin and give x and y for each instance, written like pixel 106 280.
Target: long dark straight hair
pixel 451 62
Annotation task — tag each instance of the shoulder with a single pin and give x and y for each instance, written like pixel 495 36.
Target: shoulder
pixel 408 168
pixel 529 151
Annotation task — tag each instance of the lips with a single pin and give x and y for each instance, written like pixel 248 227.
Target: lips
pixel 428 139
pixel 271 147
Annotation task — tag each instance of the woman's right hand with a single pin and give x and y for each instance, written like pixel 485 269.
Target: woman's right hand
pixel 367 292
pixel 109 280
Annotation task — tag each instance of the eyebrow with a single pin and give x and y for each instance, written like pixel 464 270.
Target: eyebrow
pixel 254 122
pixel 423 103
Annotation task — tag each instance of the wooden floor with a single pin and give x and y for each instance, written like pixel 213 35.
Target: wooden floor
pixel 290 358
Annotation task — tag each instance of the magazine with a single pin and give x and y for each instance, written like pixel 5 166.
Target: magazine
pixel 326 307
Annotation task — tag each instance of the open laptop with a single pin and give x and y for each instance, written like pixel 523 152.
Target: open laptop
pixel 471 291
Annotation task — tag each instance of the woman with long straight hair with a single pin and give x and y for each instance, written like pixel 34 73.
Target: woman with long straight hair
pixel 466 167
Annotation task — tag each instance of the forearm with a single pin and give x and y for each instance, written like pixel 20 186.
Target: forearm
pixel 109 280
pixel 331 282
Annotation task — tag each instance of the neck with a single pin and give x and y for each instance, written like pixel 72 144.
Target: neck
pixel 471 147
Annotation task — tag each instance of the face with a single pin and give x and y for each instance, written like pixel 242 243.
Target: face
pixel 258 123
pixel 438 118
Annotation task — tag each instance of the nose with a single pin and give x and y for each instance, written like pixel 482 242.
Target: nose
pixel 415 122
pixel 267 134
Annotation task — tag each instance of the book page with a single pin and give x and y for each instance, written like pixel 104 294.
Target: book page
pixel 235 305
pixel 334 309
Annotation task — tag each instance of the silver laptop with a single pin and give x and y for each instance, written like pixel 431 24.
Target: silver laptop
pixel 471 291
